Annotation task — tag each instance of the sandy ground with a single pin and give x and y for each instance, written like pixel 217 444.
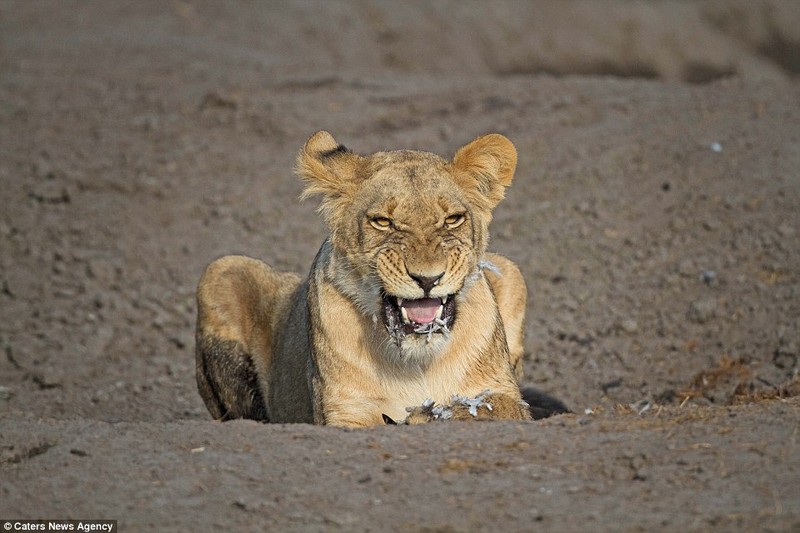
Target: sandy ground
pixel 655 215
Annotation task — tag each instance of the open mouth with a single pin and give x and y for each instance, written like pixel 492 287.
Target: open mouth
pixel 425 316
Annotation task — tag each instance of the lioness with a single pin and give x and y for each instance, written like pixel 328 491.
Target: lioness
pixel 403 310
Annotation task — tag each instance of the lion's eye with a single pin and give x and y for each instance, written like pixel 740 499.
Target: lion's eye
pixel 454 221
pixel 381 223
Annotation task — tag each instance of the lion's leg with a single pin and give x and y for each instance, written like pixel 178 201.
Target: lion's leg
pixel 510 291
pixel 227 380
pixel 237 300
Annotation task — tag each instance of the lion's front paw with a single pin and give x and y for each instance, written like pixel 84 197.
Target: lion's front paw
pixel 484 406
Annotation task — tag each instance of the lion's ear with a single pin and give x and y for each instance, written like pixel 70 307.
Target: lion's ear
pixel 486 164
pixel 327 167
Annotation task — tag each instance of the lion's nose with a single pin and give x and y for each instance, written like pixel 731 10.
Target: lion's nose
pixel 427 283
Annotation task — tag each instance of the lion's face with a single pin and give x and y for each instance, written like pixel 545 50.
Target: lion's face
pixel 417 238
pixel 409 229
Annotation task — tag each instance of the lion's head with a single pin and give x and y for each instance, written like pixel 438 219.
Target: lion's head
pixel 408 229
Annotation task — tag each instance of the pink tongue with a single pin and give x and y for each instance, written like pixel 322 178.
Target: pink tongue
pixel 422 311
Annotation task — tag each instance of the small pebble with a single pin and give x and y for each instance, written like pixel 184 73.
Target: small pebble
pixel 709 277
pixel 716 147
pixel 786 230
pixel 701 311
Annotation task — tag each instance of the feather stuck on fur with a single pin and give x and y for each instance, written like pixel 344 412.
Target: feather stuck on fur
pixel 436 411
pixel 473 404
pixel 485 264
pixel 437 326
pixel 433 327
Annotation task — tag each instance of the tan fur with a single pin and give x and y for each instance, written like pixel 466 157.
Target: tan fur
pixel 319 350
